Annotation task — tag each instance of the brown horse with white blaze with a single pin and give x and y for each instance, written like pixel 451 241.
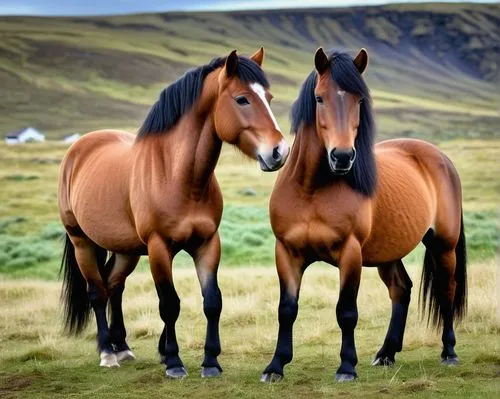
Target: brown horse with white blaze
pixel 156 194
pixel 342 200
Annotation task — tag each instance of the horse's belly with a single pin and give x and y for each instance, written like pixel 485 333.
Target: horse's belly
pixel 103 217
pixel 404 210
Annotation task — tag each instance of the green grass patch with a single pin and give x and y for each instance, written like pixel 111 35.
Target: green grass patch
pixel 21 178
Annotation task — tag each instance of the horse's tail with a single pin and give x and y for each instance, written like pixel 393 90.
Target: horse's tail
pixel 432 284
pixel 460 301
pixel 74 293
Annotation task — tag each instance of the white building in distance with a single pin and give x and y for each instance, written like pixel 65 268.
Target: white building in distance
pixel 70 139
pixel 25 135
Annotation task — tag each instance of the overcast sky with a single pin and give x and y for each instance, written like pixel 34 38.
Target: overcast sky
pixel 98 7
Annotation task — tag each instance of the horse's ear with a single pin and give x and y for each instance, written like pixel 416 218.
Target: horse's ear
pixel 258 56
pixel 361 61
pixel 231 64
pixel 321 61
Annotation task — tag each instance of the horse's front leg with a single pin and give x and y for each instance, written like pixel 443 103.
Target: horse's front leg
pixel 160 260
pixel 206 258
pixel 350 263
pixel 290 269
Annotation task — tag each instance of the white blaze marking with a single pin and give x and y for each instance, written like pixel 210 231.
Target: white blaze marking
pixel 341 93
pixel 261 92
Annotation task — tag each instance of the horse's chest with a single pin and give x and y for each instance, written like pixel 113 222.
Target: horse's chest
pixel 181 223
pixel 191 227
pixel 314 228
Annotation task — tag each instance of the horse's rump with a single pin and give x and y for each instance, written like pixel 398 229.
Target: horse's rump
pixel 94 186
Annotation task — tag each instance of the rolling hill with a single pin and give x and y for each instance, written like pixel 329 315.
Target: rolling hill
pixel 434 69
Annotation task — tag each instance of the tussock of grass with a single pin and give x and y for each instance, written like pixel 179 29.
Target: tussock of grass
pixel 38 354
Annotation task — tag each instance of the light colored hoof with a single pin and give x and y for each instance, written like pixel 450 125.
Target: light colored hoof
pixel 109 360
pixel 125 355
pixel 382 361
pixel 270 378
pixel 342 377
pixel 450 361
pixel 210 372
pixel 176 373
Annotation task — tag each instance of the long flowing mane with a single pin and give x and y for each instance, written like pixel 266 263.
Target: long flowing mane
pixel 363 175
pixel 178 98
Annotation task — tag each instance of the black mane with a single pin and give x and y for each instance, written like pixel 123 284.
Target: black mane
pixel 363 175
pixel 179 97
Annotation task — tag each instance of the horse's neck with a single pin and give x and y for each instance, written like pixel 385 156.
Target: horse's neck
pixel 189 152
pixel 307 160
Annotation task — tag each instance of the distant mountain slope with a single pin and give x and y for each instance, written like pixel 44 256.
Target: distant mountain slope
pixel 434 68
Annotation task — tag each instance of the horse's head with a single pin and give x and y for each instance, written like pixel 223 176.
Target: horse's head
pixel 243 116
pixel 338 101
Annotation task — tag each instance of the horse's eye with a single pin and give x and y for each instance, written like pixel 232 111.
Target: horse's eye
pixel 242 100
pixel 319 99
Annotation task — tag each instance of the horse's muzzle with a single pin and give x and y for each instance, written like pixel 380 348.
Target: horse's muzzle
pixel 275 158
pixel 341 160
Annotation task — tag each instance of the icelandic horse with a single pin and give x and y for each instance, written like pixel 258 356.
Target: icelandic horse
pixel 344 201
pixel 156 194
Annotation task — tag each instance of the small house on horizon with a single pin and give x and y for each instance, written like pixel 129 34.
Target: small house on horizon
pixel 71 138
pixel 25 135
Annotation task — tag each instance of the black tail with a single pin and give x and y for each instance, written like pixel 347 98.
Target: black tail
pixel 460 302
pixel 74 293
pixel 431 285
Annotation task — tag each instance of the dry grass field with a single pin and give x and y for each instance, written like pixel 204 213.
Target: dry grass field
pixel 37 361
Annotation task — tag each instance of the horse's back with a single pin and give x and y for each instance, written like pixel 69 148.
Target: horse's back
pixel 94 186
pixel 418 190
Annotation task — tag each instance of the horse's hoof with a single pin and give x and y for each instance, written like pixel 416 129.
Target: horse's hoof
pixel 125 355
pixel 210 372
pixel 450 361
pixel 176 373
pixel 108 360
pixel 383 361
pixel 342 377
pixel 269 378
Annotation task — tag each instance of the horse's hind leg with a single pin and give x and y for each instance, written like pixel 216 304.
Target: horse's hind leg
pixel 439 284
pixel 399 285
pixel 88 256
pixel 120 267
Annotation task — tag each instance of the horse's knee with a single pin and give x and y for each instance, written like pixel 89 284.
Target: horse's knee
pixel 288 309
pixel 170 304
pixel 212 303
pixel 347 318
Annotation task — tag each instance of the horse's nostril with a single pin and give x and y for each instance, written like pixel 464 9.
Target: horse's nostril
pixel 332 154
pixel 343 155
pixel 276 153
pixel 353 154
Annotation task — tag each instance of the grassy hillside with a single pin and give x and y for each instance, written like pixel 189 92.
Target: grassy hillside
pixel 30 230
pixel 433 68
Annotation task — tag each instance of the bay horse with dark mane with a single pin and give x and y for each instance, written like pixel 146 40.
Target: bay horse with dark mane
pixel 341 200
pixel 156 194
